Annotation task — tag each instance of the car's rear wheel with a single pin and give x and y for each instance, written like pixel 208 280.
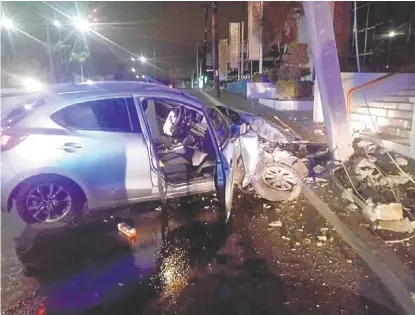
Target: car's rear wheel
pixel 49 201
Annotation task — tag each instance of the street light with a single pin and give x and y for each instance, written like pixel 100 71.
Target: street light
pixel 133 70
pixel 6 22
pixel 137 76
pixel 143 59
pixel 57 23
pixel 81 24
pixel 132 59
pixel 392 34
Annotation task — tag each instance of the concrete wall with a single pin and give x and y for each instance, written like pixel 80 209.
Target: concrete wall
pixel 261 90
pixel 401 81
pixel 287 105
pixel 350 80
pixel 237 87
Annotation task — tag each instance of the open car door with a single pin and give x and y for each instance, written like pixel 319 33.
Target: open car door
pixel 226 160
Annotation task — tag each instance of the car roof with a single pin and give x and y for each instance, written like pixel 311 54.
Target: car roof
pixel 55 97
pixel 60 94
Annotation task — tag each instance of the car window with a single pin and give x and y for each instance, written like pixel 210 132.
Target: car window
pixel 219 125
pixel 102 115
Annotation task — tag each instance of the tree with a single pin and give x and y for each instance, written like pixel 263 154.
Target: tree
pixel 80 57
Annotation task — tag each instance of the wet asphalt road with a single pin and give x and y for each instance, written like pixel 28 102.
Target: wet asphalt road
pixel 188 261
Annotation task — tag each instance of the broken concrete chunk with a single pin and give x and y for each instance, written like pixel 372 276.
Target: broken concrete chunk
pixel 368 211
pixel 347 194
pixel 319 169
pixel 324 230
pixel 364 144
pixel 401 161
pixel 319 244
pixel 386 212
pixel 322 238
pixel 352 207
pixel 277 223
pixel 319 132
pixel 402 226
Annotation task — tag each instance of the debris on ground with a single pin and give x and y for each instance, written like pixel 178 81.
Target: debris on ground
pixel 319 169
pixel 352 207
pixel 277 223
pixel 401 161
pixel 389 212
pixel 347 194
pixel 322 238
pixel 319 132
pixel 402 226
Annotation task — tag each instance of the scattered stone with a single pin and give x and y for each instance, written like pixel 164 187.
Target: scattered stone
pixel 318 132
pixel 368 211
pixel 307 241
pixel 322 238
pixel 319 169
pixel 347 194
pixel 401 161
pixel 266 206
pixel 331 239
pixel 319 244
pixel 386 212
pixel 352 207
pixel 402 226
pixel 158 208
pixel 324 230
pixel 297 244
pixel 349 261
pixel 277 223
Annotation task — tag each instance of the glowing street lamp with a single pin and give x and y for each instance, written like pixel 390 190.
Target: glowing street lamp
pixel 132 59
pixel 57 23
pixel 392 34
pixel 137 76
pixel 143 59
pixel 6 22
pixel 81 24
pixel 133 70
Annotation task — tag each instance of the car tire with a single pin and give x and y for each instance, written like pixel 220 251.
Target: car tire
pixel 73 212
pixel 272 194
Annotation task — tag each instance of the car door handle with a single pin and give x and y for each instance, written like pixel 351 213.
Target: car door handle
pixel 71 147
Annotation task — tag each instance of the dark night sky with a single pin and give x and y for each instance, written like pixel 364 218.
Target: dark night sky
pixel 173 27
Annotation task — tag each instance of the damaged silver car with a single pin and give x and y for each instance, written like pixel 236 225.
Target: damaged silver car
pixel 91 146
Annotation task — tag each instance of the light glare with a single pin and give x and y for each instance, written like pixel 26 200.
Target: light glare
pixel 6 22
pixel 32 85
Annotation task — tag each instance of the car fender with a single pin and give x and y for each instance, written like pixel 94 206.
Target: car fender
pixel 249 144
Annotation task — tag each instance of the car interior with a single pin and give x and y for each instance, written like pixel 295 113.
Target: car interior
pixel 183 146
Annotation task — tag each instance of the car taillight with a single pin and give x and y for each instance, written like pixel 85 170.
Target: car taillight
pixel 10 140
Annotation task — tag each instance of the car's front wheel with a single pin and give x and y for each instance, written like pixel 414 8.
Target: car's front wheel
pixel 277 182
pixel 49 201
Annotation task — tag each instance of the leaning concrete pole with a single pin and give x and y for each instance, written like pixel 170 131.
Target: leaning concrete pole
pixel 319 21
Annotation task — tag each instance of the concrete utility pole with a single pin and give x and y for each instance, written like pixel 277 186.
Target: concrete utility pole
pixel 215 50
pixel 319 21
pixel 206 7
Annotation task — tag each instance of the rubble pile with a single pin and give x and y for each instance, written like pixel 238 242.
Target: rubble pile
pixel 373 177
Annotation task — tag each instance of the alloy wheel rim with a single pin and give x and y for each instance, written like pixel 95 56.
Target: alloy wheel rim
pixel 48 203
pixel 279 178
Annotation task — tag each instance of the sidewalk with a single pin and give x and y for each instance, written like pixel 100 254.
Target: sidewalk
pixel 301 122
